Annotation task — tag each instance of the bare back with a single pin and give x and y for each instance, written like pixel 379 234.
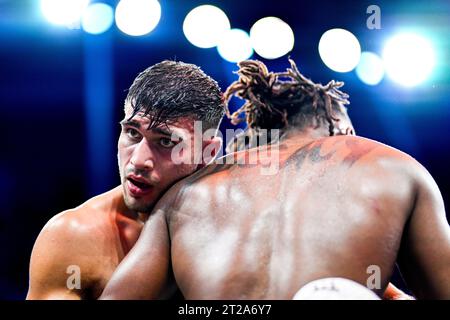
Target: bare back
pixel 336 207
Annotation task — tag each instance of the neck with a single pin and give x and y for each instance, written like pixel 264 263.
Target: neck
pixel 309 133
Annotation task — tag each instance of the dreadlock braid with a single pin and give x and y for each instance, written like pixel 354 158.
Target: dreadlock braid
pixel 270 101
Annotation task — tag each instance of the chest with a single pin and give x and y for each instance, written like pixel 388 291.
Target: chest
pixel 112 246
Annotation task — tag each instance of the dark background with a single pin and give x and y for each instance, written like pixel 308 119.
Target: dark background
pixel 58 146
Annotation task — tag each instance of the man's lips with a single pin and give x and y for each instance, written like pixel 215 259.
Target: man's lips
pixel 139 179
pixel 138 186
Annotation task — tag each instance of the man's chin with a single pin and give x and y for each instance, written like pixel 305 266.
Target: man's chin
pixel 139 205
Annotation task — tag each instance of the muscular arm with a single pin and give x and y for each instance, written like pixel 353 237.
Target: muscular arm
pixel 424 256
pixel 55 250
pixel 144 272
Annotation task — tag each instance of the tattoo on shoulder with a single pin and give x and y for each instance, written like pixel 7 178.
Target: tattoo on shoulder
pixel 312 151
pixel 357 150
pixel 315 153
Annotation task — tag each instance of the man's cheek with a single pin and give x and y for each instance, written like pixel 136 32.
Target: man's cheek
pixel 125 151
pixel 182 154
pixel 187 170
pixel 176 172
pixel 120 160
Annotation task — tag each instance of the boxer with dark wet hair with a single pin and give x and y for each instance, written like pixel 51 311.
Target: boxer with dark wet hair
pixel 89 241
pixel 339 206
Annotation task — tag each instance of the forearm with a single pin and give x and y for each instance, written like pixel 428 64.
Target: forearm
pixel 135 281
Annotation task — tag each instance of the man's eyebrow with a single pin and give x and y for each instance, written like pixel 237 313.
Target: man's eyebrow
pixel 162 131
pixel 130 123
pixel 137 125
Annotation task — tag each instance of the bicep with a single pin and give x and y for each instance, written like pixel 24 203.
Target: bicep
pixel 144 272
pixel 425 254
pixel 49 278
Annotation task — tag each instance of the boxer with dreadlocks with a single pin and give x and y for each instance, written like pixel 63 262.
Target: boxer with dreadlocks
pixel 331 223
pixel 275 104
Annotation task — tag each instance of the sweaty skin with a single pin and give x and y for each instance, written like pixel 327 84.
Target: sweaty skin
pixel 78 250
pixel 94 237
pixel 337 206
pixel 88 242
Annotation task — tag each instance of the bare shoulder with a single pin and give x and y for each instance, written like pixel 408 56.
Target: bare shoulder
pixel 71 238
pixel 81 224
pixel 376 161
pixel 356 150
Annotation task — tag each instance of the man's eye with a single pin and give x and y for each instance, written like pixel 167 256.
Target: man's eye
pixel 166 142
pixel 132 133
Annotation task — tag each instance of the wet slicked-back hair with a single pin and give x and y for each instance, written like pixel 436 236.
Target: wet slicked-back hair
pixel 170 90
pixel 273 103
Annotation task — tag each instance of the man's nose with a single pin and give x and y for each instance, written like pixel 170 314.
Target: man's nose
pixel 143 157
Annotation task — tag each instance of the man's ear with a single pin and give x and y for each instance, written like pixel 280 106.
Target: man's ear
pixel 343 127
pixel 212 148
